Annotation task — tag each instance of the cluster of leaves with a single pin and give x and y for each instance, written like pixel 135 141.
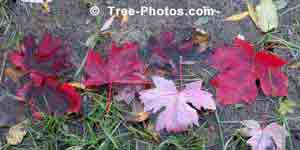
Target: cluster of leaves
pixel 42 64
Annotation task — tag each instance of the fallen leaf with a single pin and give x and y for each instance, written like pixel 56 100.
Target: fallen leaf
pixel 252 12
pixel 201 39
pixel 286 106
pixel 267 17
pixel 11 110
pixel 237 17
pixel 80 86
pixel 264 15
pixel 108 23
pixel 36 1
pixel 122 66
pixel 49 57
pixel 13 74
pixel 46 94
pixel 280 4
pixel 138 114
pixel 294 65
pixel 124 19
pixel 240 63
pixel 178 115
pixel 45 6
pixel 16 133
pixel 271 137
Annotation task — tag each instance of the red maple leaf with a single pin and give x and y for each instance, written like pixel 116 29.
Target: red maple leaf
pixel 46 94
pixel 239 67
pixel 49 57
pixel 122 66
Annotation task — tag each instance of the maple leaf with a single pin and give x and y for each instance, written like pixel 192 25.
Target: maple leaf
pixel 240 66
pixel 49 57
pixel 271 137
pixel 121 67
pixel 178 114
pixel 46 94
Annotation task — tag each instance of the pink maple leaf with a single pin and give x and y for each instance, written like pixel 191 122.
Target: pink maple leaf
pixel 271 137
pixel 178 115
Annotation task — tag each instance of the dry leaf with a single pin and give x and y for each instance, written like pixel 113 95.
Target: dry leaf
pixel 267 17
pixel 35 1
pixel 45 6
pixel 13 74
pixel 263 15
pixel 16 133
pixel 237 17
pixel 108 23
pixel 138 114
pixel 137 117
pixel 201 39
pixel 124 19
pixel 251 11
pixel 79 85
pixel 294 65
pixel 272 136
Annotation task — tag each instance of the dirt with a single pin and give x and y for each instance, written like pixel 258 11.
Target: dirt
pixel 71 19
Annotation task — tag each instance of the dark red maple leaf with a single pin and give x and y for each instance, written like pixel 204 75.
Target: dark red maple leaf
pixel 49 57
pixel 122 66
pixel 46 94
pixel 239 67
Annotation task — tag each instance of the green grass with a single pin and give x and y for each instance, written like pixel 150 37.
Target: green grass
pixel 5 18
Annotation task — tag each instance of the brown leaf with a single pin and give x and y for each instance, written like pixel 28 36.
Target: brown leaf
pixel 13 74
pixel 16 133
pixel 201 39
pixel 294 65
pixel 138 114
pixel 237 17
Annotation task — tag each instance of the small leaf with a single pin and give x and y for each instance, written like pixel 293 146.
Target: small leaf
pixel 294 65
pixel 35 1
pixel 237 17
pixel 13 74
pixel 280 4
pixel 124 19
pixel 272 136
pixel 267 17
pixel 138 114
pixel 45 6
pixel 107 24
pixel 286 106
pixel 252 12
pixel 16 133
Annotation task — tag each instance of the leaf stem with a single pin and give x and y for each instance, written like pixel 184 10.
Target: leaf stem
pixel 180 71
pixel 108 102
